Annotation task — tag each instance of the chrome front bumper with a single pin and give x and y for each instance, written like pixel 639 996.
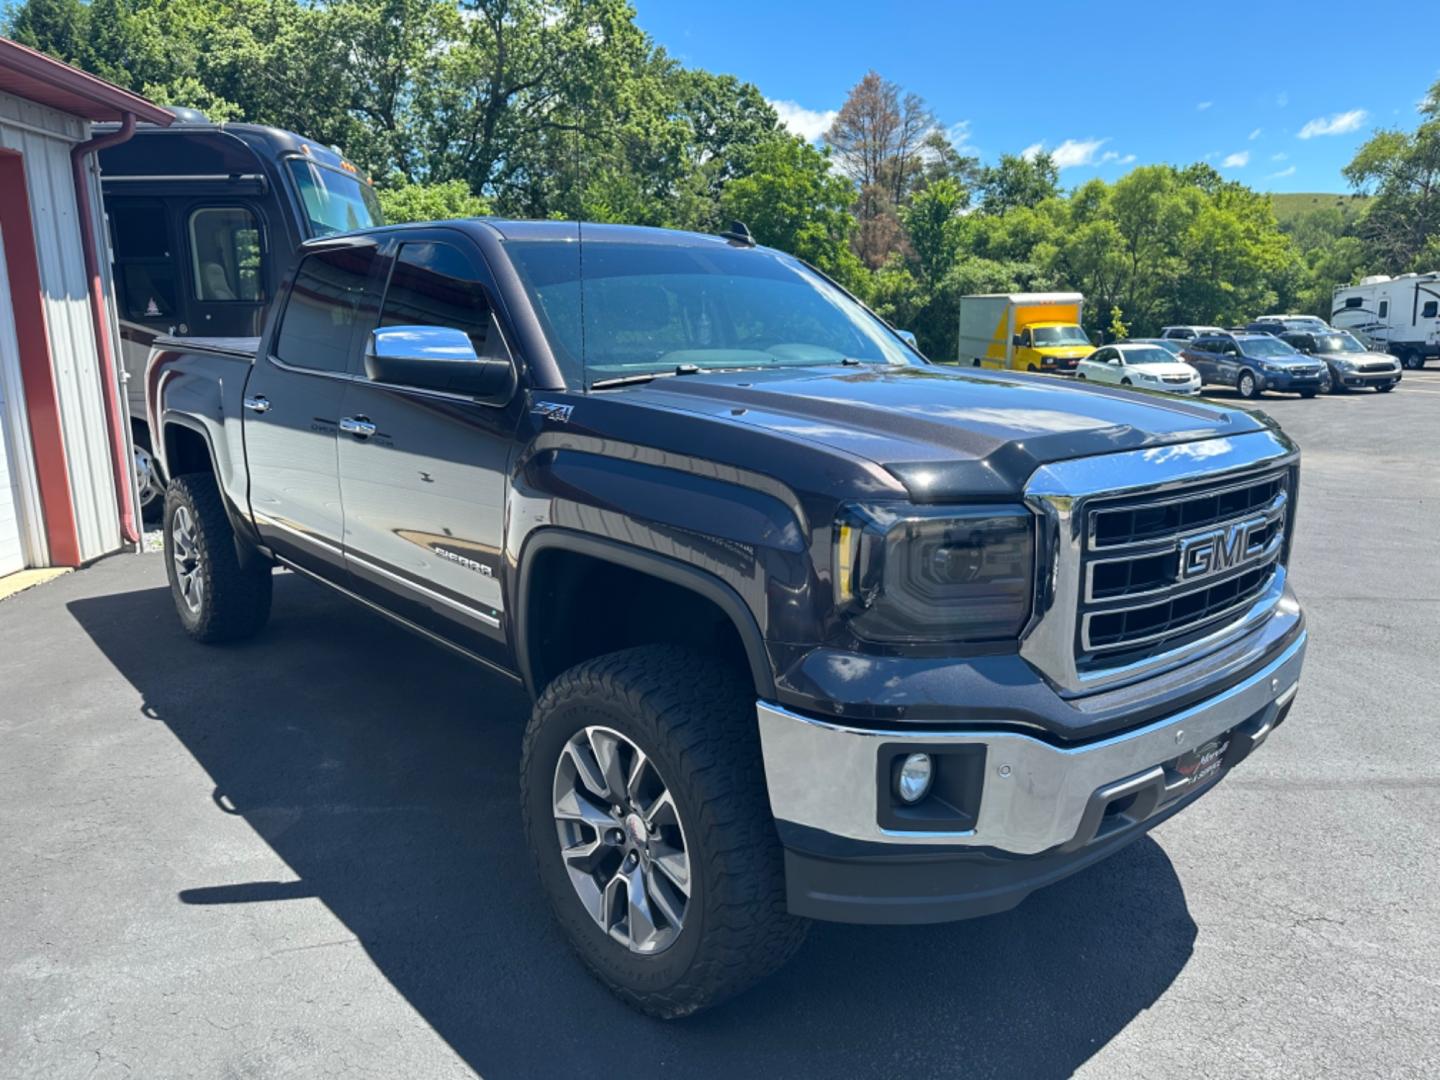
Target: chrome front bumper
pixel 1035 796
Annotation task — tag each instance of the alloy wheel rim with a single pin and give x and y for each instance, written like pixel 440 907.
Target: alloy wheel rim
pixel 185 553
pixel 621 840
pixel 146 479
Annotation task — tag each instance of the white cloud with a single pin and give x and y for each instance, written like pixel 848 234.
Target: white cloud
pixel 1338 124
pixel 1282 156
pixel 1282 99
pixel 1117 157
pixel 1282 173
pixel 959 134
pixel 1255 134
pixel 1237 160
pixel 1203 106
pixel 1074 152
pixel 809 124
pixel 1031 152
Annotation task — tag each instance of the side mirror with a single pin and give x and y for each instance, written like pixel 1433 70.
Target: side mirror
pixel 434 358
pixel 1018 339
pixel 908 336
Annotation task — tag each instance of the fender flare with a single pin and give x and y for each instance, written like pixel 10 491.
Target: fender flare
pixel 659 566
pixel 247 545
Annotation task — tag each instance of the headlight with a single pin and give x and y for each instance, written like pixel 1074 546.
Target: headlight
pixel 1273 369
pixel 1345 365
pixel 919 573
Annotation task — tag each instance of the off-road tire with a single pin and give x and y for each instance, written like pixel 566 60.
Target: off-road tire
pixel 235 601
pixel 695 719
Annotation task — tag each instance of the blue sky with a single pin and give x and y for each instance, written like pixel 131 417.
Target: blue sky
pixel 1278 95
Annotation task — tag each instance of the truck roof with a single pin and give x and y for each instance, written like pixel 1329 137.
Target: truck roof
pixel 560 232
pixel 275 139
pixel 1030 298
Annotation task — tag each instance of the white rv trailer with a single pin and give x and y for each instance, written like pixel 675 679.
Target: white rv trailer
pixel 1400 315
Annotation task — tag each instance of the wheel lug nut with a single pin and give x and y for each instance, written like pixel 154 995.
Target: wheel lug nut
pixel 614 836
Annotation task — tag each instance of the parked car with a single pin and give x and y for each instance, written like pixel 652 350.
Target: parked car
pixel 808 621
pixel 1399 315
pixel 204 220
pixel 1351 364
pixel 1186 333
pixel 1174 346
pixel 1023 332
pixel 1146 366
pixel 1254 363
pixel 1280 324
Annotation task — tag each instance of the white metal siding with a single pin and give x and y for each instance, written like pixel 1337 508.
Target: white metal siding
pixel 45 137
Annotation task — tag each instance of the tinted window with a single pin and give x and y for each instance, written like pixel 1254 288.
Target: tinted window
pixel 324 302
pixel 1384 308
pixel 144 271
pixel 435 285
pixel 1103 356
pixel 1430 308
pixel 1147 356
pixel 225 254
pixel 1353 301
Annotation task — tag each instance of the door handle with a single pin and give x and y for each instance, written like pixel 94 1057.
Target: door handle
pixel 259 403
pixel 359 426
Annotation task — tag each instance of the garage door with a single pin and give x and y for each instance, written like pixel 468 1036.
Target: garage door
pixel 12 557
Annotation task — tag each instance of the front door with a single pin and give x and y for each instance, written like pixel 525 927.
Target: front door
pixel 226 270
pixel 292 408
pixel 423 471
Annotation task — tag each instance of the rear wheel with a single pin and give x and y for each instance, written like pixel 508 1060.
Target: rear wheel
pixel 646 813
pixel 1248 385
pixel 1411 360
pixel 217 597
pixel 149 482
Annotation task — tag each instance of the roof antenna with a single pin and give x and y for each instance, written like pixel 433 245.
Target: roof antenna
pixel 739 233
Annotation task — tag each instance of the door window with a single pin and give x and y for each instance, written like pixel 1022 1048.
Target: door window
pixel 144 268
pixel 435 284
pixel 225 254
pixel 1384 308
pixel 324 306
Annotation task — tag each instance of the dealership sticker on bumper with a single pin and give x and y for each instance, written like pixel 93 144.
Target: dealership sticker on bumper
pixel 1201 764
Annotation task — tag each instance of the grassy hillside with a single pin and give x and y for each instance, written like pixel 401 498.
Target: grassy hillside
pixel 1289 207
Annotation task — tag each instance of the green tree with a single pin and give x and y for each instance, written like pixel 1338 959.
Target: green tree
pixel 430 202
pixel 1402 169
pixel 792 200
pixel 1018 182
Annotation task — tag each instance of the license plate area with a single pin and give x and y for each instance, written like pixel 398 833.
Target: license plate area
pixel 1197 767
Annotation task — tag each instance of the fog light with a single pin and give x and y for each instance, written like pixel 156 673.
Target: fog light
pixel 913 781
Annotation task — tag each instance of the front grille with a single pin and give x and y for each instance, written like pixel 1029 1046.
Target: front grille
pixel 1176 378
pixel 1377 367
pixel 1158 572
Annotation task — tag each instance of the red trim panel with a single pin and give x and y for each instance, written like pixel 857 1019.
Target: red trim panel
pixel 42 402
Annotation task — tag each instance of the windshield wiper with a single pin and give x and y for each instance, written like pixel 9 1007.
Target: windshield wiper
pixel 644 377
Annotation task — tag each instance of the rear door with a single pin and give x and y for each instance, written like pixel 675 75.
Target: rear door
pixel 292 406
pixel 423 473
pixel 1198 355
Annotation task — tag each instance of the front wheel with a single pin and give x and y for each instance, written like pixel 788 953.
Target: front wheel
pixel 1385 387
pixel 646 812
pixel 1081 376
pixel 1308 393
pixel 1412 361
pixel 1126 382
pixel 1248 385
pixel 217 597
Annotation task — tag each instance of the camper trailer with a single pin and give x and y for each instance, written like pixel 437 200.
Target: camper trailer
pixel 1400 315
pixel 204 218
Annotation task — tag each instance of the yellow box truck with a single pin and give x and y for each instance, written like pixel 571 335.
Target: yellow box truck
pixel 1023 331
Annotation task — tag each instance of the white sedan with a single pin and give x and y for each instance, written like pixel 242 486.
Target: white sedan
pixel 1147 366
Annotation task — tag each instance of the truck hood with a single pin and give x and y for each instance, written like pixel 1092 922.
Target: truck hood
pixel 946 434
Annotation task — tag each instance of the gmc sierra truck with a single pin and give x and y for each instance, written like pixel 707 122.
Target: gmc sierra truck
pixel 814 629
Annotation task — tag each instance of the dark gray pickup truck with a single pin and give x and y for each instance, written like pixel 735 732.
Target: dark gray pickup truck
pixel 814 629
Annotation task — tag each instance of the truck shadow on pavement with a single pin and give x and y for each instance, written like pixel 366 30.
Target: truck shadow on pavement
pixel 384 772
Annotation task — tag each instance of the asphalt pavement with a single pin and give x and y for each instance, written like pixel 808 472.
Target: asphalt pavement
pixel 301 856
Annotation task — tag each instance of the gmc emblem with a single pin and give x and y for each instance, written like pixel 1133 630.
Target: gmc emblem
pixel 1221 549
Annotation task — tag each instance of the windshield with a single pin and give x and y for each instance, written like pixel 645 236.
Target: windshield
pixel 1333 343
pixel 1060 335
pixel 1266 346
pixel 649 309
pixel 1147 355
pixel 334 201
